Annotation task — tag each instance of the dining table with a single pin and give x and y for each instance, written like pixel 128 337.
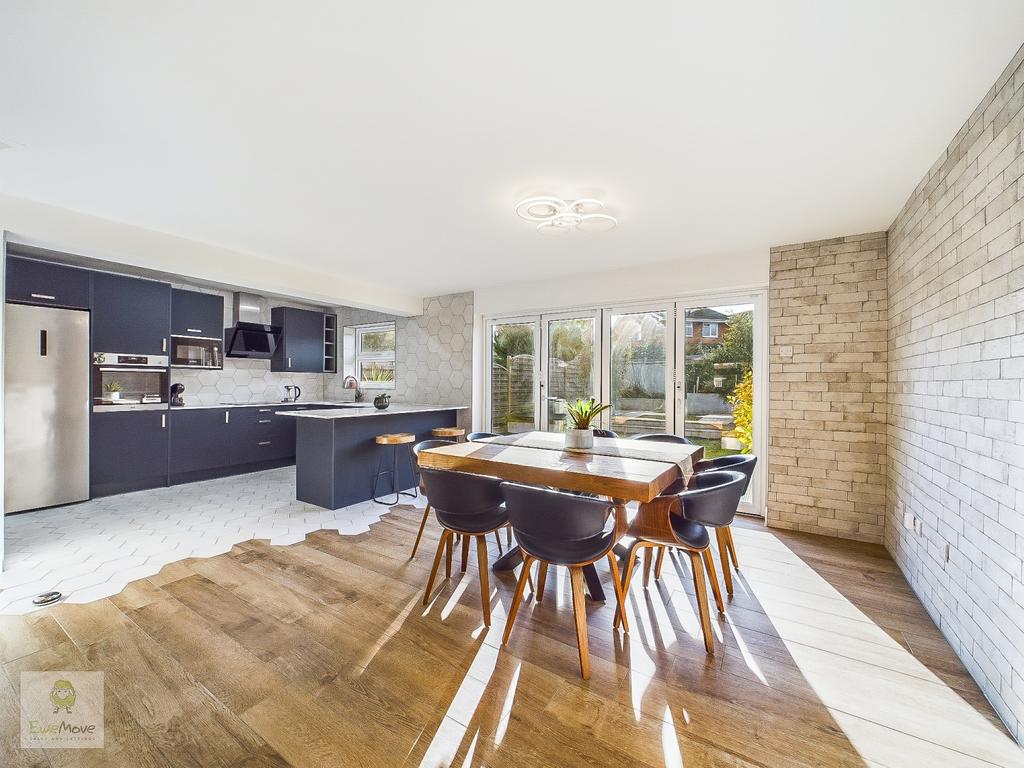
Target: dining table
pixel 621 470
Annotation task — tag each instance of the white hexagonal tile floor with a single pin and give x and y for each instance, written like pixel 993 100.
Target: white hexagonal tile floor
pixel 92 550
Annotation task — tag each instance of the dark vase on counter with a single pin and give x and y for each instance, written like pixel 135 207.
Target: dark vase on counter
pixel 382 401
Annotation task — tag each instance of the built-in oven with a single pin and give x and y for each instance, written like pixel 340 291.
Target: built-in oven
pixel 122 381
pixel 196 352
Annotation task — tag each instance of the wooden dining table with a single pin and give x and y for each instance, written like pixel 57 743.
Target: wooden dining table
pixel 622 470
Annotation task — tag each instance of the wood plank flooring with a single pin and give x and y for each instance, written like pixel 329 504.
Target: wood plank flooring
pixel 321 654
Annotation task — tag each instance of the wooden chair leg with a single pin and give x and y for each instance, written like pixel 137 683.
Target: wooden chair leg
pixel 620 596
pixel 448 557
pixel 419 534
pixel 465 552
pixel 542 577
pixel 701 588
pixel 732 549
pixel 508 536
pixel 709 563
pixel 517 598
pixel 485 587
pixel 579 609
pixel 648 556
pixel 637 545
pixel 497 540
pixel 442 546
pixel 659 562
pixel 723 557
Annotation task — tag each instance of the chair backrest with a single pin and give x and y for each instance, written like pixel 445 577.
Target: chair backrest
pixel 554 524
pixel 604 433
pixel 713 497
pixel 663 437
pixel 456 495
pixel 738 462
pixel 480 436
pixel 423 445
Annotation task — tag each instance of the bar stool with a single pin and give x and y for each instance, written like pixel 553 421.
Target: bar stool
pixel 394 440
pixel 448 433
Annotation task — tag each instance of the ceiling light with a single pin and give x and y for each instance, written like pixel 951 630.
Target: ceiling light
pixel 555 215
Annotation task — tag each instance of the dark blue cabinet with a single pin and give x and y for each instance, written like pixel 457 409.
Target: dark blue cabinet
pixel 47 284
pixel 258 435
pixel 128 451
pixel 301 348
pixel 197 314
pixel 130 315
pixel 199 442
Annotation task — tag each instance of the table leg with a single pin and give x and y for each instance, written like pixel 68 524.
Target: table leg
pixel 514 556
pixel 507 562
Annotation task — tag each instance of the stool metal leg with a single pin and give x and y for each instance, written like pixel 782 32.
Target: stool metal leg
pixel 415 490
pixel 394 480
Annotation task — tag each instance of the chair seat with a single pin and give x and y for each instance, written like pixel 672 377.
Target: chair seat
pixel 690 533
pixel 473 524
pixel 567 552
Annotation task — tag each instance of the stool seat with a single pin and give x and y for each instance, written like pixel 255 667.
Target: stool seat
pixel 448 432
pixel 396 438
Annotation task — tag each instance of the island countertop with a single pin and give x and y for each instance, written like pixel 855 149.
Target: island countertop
pixel 368 410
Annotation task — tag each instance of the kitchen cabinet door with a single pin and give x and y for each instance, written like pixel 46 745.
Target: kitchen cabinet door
pixel 52 285
pixel 199 440
pixel 197 314
pixel 128 451
pixel 301 349
pixel 130 315
pixel 258 435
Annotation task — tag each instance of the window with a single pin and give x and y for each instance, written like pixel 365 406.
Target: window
pixel 689 329
pixel 710 330
pixel 372 357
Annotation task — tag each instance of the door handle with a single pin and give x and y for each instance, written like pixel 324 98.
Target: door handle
pixel 265 442
pixel 163 344
pixel 163 421
pixel 289 362
pixel 46 296
pixel 194 330
pixel 42 343
pixel 265 421
pixel 227 417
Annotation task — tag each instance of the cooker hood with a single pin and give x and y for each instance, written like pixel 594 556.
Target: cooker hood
pixel 248 337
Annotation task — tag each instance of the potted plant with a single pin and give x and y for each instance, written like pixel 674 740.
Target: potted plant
pixel 580 436
pixel 113 390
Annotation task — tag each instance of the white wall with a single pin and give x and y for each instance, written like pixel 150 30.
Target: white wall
pixel 60 229
pixel 664 280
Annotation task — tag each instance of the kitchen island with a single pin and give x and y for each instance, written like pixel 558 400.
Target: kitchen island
pixel 336 455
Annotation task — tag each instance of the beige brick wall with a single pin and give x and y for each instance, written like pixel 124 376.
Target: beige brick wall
pixel 827 374
pixel 956 425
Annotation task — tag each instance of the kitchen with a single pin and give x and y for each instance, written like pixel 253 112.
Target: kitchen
pixel 187 382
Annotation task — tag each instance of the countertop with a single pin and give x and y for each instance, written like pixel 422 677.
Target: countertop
pixel 346 413
pixel 276 404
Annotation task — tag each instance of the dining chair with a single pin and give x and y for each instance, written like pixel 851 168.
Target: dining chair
pixel 679 521
pixel 480 436
pixel 440 443
pixel 470 505
pixel 743 463
pixel 558 528
pixel 604 433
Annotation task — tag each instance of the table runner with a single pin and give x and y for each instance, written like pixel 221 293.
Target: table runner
pixel 604 446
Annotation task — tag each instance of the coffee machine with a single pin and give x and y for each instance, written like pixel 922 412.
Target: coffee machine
pixel 177 390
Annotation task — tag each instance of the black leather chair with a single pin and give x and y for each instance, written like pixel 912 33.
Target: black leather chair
pixel 743 463
pixel 604 433
pixel 557 528
pixel 679 521
pixel 422 446
pixel 470 505
pixel 480 436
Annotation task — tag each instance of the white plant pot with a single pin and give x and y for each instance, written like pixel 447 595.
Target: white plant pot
pixel 114 395
pixel 732 443
pixel 579 439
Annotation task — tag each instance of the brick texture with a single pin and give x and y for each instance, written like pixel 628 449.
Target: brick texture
pixel 956 422
pixel 827 374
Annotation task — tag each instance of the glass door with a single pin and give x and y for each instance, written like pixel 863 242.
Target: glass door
pixel 639 371
pixel 570 368
pixel 715 380
pixel 513 375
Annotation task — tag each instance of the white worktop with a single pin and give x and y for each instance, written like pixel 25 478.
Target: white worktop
pixel 276 404
pixel 347 413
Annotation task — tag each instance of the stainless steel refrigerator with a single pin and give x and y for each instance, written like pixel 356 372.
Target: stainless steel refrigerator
pixel 46 406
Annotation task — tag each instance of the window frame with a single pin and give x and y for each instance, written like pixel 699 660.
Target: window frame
pixel 709 330
pixel 360 356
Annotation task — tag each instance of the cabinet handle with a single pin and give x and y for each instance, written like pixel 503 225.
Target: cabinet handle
pixel 194 330
pixel 227 417
pixel 163 421
pixel 289 362
pixel 265 421
pixel 43 296
pixel 42 343
pixel 163 344
pixel 265 410
pixel 265 442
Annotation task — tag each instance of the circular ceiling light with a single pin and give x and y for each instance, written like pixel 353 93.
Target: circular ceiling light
pixel 555 215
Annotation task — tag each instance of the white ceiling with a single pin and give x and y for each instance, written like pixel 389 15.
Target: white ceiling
pixel 390 140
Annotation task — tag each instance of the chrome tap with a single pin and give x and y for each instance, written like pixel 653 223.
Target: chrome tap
pixel 350 382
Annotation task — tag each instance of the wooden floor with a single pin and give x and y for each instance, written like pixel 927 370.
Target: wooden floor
pixel 321 654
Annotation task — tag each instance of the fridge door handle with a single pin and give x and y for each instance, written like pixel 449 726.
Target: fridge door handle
pixel 42 343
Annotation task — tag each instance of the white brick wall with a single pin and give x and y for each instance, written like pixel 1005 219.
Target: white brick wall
pixel 956 421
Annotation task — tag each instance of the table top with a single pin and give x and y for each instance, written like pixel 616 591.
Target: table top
pixel 615 470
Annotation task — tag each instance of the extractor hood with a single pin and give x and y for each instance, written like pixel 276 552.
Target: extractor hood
pixel 248 337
